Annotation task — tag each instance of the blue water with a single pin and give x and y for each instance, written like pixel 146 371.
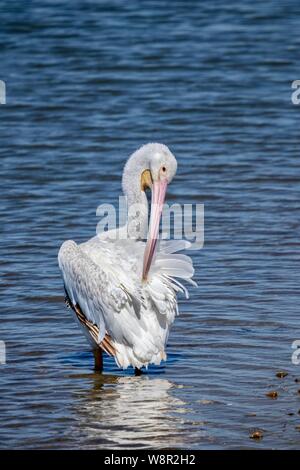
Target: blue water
pixel 87 84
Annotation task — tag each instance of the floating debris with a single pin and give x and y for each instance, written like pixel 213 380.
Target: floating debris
pixel 297 381
pixel 258 434
pixel 291 414
pixel 281 374
pixel 205 402
pixel 272 394
pixel 297 427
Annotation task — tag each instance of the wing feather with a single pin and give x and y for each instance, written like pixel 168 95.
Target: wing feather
pixel 98 292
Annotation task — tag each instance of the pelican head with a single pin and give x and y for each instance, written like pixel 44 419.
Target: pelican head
pixel 152 166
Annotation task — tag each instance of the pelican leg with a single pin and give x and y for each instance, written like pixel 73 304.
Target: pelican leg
pixel 98 359
pixel 137 371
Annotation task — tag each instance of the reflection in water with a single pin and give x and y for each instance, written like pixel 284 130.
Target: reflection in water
pixel 130 411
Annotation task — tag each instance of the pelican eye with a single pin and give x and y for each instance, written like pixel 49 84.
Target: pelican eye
pixel 164 169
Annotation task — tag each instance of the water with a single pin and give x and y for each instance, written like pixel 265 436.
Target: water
pixel 87 83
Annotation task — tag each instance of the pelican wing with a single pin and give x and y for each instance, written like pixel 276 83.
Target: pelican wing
pixel 163 285
pixel 101 296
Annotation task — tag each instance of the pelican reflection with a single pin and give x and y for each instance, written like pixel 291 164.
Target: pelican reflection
pixel 124 412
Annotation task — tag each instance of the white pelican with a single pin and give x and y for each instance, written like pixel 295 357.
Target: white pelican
pixel 122 289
